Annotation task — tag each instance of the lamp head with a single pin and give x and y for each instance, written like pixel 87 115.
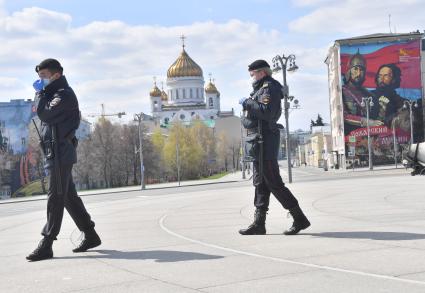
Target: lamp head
pixel 293 67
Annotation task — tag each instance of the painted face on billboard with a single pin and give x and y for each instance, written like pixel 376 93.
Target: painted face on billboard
pixel 385 77
pixel 357 70
pixel 357 74
pixel 388 77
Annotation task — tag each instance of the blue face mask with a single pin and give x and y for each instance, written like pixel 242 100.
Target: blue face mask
pixel 46 82
pixel 40 84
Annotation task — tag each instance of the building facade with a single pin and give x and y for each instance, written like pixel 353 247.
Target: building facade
pixel 19 144
pixel 373 81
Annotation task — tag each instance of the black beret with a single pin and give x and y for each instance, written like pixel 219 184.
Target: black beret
pixel 49 64
pixel 257 64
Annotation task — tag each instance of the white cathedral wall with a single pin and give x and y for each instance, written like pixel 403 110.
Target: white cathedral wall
pixel 155 104
pixel 185 90
pixel 186 115
pixel 215 99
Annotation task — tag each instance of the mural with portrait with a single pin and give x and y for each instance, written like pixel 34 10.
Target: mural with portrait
pixel 389 75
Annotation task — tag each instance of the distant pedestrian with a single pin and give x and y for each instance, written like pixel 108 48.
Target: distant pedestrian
pixel 60 117
pixel 263 111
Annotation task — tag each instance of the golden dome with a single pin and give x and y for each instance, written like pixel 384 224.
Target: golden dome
pixel 155 91
pixel 164 96
pixel 211 88
pixel 184 66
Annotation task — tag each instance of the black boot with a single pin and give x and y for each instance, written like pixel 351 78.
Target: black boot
pixel 91 240
pixel 258 227
pixel 300 221
pixel 43 251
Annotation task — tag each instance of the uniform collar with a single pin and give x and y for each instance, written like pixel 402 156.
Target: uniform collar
pixel 259 83
pixel 55 85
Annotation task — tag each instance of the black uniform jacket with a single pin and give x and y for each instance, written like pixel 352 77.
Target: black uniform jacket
pixel 265 105
pixel 58 106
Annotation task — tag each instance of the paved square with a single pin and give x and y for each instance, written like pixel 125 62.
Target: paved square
pixel 367 235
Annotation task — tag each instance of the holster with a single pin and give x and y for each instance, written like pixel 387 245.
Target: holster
pixel 251 147
pixel 48 150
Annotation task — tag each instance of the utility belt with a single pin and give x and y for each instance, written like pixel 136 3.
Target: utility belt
pixel 48 146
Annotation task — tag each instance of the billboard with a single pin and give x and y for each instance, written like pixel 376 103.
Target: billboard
pixel 381 87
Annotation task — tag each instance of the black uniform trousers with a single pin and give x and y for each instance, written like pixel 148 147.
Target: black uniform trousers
pixel 271 183
pixel 69 199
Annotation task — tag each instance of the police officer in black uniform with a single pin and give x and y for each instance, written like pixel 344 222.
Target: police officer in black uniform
pixel 264 108
pixel 60 117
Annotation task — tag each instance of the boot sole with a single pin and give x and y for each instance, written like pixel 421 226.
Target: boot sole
pixel 29 259
pixel 89 247
pixel 298 230
pixel 259 233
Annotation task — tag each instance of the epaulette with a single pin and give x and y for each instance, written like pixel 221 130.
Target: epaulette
pixel 266 84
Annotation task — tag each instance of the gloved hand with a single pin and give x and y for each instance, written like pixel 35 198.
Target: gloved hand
pixel 242 101
pixel 38 85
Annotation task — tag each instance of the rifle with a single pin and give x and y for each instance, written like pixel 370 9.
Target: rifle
pixel 261 154
pixel 49 154
pixel 56 164
pixel 40 141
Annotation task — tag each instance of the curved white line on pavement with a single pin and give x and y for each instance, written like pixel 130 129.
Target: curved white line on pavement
pixel 282 260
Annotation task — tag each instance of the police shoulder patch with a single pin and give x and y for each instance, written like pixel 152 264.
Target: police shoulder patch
pixel 265 99
pixel 266 84
pixel 55 101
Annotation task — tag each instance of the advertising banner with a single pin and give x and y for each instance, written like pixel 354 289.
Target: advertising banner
pixel 382 89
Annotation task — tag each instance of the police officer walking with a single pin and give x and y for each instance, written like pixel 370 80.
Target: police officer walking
pixel 263 110
pixel 60 117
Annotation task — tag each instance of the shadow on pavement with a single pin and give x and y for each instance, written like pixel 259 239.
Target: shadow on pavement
pixel 157 255
pixel 370 235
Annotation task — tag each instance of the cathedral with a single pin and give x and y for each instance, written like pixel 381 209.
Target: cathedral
pixel 185 98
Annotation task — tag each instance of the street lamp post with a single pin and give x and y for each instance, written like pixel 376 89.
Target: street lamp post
pixel 395 142
pixel 178 155
pixel 281 63
pixel 242 152
pixel 410 104
pixel 139 118
pixel 367 102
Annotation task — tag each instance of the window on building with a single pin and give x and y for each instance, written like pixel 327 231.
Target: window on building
pixel 177 94
pixel 211 103
pixel 23 140
pixel 182 116
pixel 212 117
pixel 191 94
pixel 184 93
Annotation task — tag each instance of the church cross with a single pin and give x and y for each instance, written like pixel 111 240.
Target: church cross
pixel 183 37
